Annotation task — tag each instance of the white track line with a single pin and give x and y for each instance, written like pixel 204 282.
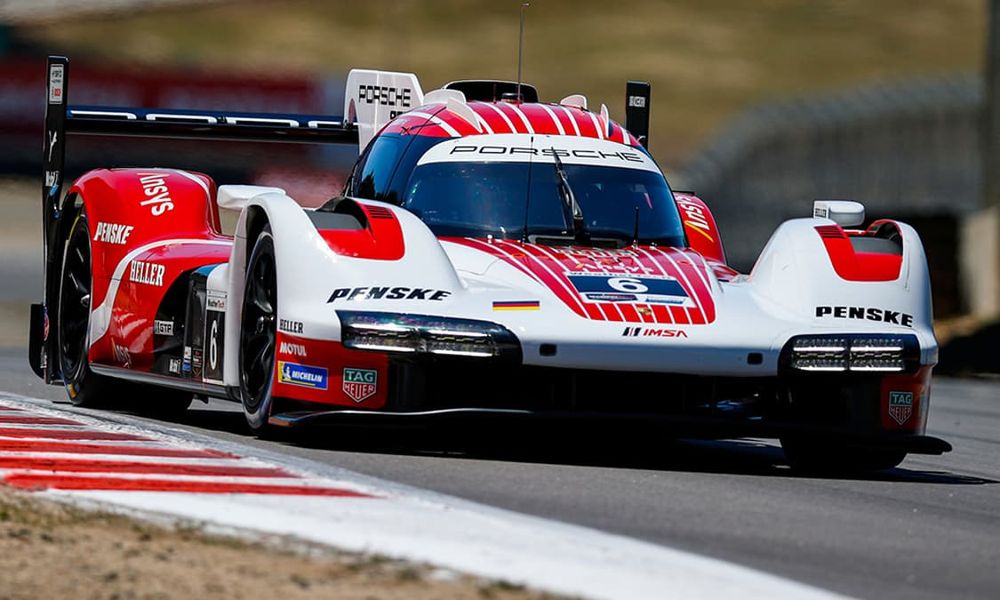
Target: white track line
pixel 414 524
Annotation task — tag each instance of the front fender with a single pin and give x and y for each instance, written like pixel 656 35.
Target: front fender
pixel 316 276
pixel 795 275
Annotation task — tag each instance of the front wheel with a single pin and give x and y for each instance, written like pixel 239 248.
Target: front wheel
pixel 829 456
pixel 258 333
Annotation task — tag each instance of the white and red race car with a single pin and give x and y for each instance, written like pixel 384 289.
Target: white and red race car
pixel 491 254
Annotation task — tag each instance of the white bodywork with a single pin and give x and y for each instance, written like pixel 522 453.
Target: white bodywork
pixel 755 313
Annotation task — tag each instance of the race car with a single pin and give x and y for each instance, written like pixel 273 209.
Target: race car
pixel 491 254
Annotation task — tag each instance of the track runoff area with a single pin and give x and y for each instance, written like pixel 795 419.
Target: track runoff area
pixel 115 462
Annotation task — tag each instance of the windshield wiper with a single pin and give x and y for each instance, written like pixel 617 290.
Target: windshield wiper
pixel 571 208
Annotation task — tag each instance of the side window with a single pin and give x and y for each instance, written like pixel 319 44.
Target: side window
pixel 420 144
pixel 373 173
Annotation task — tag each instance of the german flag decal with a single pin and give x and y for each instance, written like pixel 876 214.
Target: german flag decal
pixel 516 305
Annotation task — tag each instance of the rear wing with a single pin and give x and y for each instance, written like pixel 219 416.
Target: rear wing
pixel 63 119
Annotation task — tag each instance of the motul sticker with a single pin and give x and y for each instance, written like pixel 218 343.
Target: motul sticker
pixel 900 406
pixel 360 384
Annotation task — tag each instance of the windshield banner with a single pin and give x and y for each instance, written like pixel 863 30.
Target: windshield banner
pixel 522 148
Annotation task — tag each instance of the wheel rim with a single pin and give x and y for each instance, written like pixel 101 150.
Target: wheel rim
pixel 258 331
pixel 74 304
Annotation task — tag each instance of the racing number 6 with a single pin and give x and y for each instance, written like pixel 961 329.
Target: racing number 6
pixel 213 346
pixel 627 284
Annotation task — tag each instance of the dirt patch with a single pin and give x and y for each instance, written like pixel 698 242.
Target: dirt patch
pixel 51 550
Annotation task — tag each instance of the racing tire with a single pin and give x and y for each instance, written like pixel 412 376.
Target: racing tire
pixel 84 387
pixel 258 335
pixel 826 456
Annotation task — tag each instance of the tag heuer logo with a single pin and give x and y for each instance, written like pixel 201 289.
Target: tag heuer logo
pixel 360 384
pixel 900 406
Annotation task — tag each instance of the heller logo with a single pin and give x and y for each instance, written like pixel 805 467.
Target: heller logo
pixel 289 326
pixel 900 406
pixel 302 375
pixel 146 273
pixel 360 384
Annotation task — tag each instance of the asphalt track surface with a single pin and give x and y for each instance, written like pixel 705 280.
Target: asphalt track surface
pixel 929 529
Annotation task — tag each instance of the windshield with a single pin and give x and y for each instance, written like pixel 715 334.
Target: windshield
pixel 493 198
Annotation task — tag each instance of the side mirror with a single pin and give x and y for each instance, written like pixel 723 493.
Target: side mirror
pixel 235 197
pixel 845 213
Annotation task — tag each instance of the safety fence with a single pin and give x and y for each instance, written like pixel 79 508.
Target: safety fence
pixel 908 150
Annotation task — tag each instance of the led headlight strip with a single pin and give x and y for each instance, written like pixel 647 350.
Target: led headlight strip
pixel 425 334
pixel 852 352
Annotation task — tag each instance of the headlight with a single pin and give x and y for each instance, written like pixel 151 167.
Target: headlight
pixel 409 334
pixel 854 352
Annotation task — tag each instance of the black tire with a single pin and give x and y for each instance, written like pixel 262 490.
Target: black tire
pixel 84 387
pixel 258 334
pixel 828 456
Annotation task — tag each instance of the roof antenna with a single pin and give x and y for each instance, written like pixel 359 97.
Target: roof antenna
pixel 520 50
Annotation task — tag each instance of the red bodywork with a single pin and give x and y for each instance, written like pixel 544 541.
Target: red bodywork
pixel 381 240
pixel 509 117
pixel 174 228
pixel 858 266
pixel 337 359
pixel 551 266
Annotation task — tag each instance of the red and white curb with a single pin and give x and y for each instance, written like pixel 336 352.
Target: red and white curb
pixel 127 464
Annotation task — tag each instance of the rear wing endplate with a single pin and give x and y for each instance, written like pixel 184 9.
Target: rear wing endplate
pixel 373 98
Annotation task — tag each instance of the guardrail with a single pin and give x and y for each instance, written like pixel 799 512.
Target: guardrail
pixel 907 150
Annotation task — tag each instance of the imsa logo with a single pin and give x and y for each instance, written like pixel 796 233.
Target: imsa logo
pixel 900 406
pixel 360 384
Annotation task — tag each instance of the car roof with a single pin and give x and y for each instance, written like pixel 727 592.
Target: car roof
pixel 443 119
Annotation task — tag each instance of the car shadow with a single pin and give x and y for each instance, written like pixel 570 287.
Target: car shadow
pixel 634 447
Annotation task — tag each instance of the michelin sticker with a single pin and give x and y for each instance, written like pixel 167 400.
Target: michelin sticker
pixel 302 375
